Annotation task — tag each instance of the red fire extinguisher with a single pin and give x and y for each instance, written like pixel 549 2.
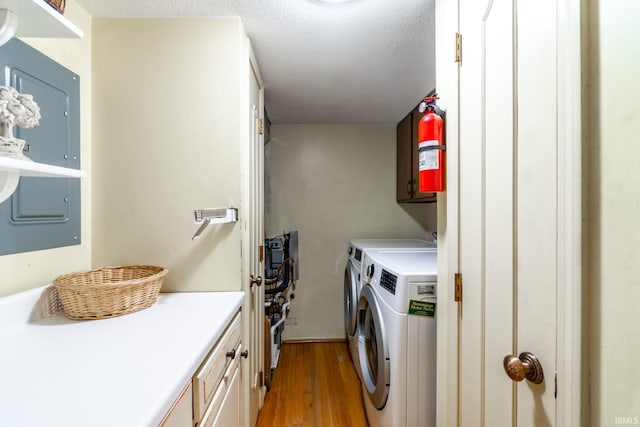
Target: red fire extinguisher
pixel 431 148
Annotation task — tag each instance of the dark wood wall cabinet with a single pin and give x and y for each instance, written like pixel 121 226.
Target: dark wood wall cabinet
pixel 407 161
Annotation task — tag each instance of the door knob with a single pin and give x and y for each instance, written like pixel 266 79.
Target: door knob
pixel 524 366
pixel 255 280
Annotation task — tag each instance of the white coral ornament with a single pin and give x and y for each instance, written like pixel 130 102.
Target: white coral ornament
pixel 16 109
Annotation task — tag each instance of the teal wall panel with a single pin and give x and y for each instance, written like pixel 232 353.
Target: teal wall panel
pixel 43 213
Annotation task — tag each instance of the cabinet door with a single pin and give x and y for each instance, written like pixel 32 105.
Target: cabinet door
pixel 180 414
pixel 230 411
pixel 416 194
pixel 404 160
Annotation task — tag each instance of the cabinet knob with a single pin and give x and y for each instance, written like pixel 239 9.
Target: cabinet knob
pixel 409 188
pixel 231 354
pixel 245 354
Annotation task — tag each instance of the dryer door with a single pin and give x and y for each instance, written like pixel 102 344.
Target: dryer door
pixel 350 298
pixel 373 348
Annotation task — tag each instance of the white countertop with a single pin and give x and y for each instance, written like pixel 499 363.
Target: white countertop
pixel 125 371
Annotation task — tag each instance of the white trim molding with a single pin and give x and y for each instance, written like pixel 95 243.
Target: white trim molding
pixel 569 291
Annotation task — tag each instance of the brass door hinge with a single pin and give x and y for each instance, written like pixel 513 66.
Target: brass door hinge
pixel 457 292
pixel 458 47
pixel 261 126
pixel 260 253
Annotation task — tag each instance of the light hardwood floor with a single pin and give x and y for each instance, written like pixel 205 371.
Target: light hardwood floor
pixel 314 385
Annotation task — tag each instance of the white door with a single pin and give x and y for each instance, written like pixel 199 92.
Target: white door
pixel 512 217
pixel 254 248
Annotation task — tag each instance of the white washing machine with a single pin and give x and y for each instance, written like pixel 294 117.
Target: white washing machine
pixel 353 280
pixel 396 333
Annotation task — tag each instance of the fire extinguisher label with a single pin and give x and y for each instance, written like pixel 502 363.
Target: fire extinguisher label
pixel 428 159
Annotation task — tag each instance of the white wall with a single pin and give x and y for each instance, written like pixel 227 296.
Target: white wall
pixel 333 183
pixel 167 126
pixel 614 211
pixel 31 269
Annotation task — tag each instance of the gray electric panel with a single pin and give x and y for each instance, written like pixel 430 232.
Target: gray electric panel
pixel 43 213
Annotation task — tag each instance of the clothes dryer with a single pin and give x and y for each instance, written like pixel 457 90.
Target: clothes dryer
pixel 353 279
pixel 396 333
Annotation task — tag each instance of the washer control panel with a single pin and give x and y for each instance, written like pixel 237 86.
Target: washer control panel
pixel 388 281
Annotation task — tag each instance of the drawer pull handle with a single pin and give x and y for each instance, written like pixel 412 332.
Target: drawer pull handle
pixel 245 354
pixel 231 354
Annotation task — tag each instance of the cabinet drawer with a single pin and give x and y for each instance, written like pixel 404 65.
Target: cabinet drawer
pixel 212 370
pixel 216 406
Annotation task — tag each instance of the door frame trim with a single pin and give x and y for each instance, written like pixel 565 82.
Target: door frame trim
pixel 448 218
pixel 249 67
pixel 569 290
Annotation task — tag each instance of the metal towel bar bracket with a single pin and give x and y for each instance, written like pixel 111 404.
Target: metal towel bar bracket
pixel 204 217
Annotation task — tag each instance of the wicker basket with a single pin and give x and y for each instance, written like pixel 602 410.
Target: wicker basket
pixel 57 5
pixel 109 291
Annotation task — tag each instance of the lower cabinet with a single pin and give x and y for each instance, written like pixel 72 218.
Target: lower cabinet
pixel 213 396
pixel 181 413
pixel 225 407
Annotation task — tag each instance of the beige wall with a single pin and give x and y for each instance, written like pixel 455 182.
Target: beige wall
pixel 333 183
pixel 31 269
pixel 167 124
pixel 613 188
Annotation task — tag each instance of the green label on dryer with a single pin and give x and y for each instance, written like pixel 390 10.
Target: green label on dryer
pixel 422 308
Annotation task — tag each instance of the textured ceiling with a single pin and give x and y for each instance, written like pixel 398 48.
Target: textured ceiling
pixel 367 61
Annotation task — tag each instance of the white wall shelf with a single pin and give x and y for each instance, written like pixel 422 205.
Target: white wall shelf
pixel 37 19
pixel 12 169
pixel 28 168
